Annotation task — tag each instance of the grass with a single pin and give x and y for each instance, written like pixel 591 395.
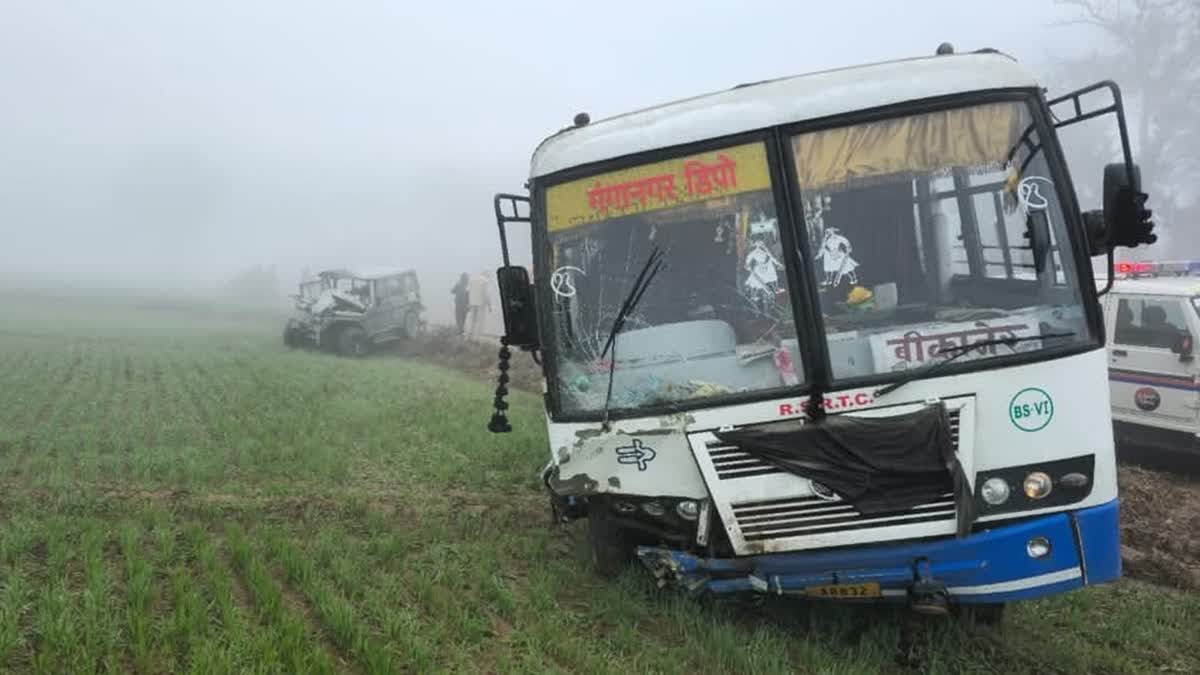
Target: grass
pixel 181 494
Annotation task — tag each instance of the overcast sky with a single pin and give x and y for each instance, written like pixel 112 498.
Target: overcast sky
pixel 151 139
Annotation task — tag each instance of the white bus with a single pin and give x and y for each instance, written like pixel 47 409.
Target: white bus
pixel 832 335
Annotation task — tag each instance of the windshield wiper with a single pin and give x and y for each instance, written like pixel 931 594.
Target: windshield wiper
pixel 959 350
pixel 652 267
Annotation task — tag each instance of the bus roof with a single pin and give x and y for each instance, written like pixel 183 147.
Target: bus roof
pixel 775 102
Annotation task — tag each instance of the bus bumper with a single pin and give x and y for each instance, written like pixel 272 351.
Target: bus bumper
pixel 990 566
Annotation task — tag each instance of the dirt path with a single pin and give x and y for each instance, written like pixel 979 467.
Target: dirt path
pixel 1160 527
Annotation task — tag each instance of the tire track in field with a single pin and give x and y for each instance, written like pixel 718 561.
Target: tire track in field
pixel 161 395
pixel 363 587
pixel 313 590
pixel 49 405
pixel 402 503
pixel 123 443
pixel 95 414
pixel 271 601
pixel 242 598
pixel 16 365
pixel 299 605
pixel 54 628
pixel 109 392
pixel 139 579
pixel 118 419
pixel 153 382
pixel 31 559
pixel 112 557
pixel 192 384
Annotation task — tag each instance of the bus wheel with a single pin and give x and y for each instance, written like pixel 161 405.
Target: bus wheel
pixel 612 547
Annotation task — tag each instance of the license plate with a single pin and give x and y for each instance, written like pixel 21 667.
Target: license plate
pixel 844 591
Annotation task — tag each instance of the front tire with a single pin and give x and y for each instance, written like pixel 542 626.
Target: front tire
pixel 352 342
pixel 612 546
pixel 412 325
pixel 291 335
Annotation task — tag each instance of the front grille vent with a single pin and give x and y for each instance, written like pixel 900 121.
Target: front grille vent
pixel 796 517
pixel 731 463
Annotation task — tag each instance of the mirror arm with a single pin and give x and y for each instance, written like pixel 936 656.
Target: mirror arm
pixel 1111 267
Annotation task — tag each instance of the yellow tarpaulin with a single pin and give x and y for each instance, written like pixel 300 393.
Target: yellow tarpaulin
pixel 978 136
pixel 661 185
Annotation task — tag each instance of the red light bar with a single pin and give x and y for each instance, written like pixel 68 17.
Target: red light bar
pixel 1135 268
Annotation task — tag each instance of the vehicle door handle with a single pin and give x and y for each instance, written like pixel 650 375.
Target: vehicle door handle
pixel 1120 352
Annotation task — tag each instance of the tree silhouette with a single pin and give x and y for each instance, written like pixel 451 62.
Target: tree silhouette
pixel 1152 49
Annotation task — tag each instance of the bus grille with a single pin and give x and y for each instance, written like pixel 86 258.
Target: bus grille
pixel 765 509
pixel 801 516
pixel 730 463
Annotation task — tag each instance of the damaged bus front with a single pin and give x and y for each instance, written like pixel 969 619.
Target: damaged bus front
pixel 833 335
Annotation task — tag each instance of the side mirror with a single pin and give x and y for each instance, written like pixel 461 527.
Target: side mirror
pixel 518 306
pixel 1126 220
pixel 1183 346
pixel 1097 237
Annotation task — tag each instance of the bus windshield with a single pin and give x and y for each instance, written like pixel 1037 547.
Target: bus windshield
pixel 922 235
pixel 716 320
pixel 935 231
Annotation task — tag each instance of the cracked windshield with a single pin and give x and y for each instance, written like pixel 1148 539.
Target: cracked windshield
pixel 935 232
pixel 715 320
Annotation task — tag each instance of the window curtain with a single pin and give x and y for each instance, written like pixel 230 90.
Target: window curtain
pixel 978 136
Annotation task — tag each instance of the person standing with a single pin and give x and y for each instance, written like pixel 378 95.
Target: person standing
pixel 479 302
pixel 461 294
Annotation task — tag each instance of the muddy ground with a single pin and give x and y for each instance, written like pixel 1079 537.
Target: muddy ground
pixel 1160 513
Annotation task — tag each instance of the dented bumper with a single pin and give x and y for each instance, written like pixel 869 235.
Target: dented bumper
pixel 990 566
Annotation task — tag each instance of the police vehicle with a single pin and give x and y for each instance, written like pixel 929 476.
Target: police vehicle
pixel 1152 316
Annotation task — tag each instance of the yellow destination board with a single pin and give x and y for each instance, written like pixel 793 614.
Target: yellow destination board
pixel 661 185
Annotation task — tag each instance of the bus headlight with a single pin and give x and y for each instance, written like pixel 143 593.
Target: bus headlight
pixel 1037 485
pixel 995 491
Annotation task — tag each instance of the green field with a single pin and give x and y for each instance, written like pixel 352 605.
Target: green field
pixel 181 494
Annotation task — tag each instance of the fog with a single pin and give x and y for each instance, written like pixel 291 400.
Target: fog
pixel 170 144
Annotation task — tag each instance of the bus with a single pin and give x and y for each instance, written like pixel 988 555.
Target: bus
pixel 833 335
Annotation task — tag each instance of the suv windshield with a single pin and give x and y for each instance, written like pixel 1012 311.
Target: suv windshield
pixel 935 231
pixel 716 320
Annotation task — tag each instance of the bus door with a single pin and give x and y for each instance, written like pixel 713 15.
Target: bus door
pixel 1149 383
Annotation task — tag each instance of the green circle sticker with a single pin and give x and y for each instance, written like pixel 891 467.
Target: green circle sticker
pixel 1031 409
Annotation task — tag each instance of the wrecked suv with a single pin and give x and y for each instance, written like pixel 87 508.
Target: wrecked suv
pixel 350 313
